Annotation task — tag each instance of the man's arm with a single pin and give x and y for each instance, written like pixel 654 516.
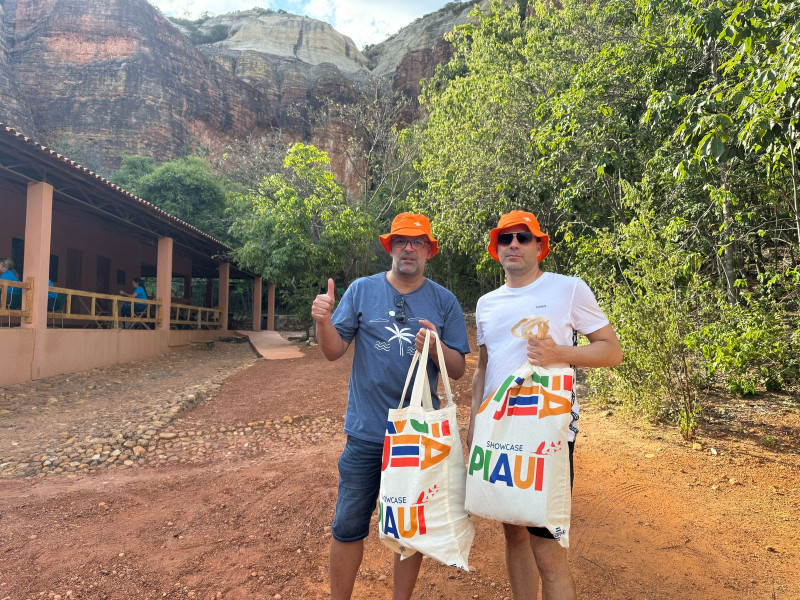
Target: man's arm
pixel 603 350
pixel 478 382
pixel 330 342
pixel 453 359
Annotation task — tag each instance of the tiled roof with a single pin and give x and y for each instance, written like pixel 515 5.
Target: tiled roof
pixel 81 171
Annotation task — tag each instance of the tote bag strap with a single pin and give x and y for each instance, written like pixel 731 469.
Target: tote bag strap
pixel 443 371
pixel 421 392
pixel 421 397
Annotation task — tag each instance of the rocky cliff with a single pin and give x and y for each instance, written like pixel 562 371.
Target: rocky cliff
pixel 113 77
pixel 13 107
pixel 283 35
pixel 418 42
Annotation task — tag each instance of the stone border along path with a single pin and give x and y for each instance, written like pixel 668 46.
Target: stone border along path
pixel 153 440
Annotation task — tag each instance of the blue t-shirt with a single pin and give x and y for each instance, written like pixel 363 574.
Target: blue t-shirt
pixel 139 293
pixel 384 347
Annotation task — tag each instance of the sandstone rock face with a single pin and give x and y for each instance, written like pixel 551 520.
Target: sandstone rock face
pixel 295 62
pixel 14 110
pixel 418 39
pixel 114 77
pixel 414 52
pixel 308 40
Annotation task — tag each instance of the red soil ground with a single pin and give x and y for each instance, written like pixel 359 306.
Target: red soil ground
pixel 652 518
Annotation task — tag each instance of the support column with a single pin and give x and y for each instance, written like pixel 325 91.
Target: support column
pixel 224 279
pixel 258 283
pixel 164 280
pixel 271 307
pixel 38 224
pixel 209 303
pixel 187 288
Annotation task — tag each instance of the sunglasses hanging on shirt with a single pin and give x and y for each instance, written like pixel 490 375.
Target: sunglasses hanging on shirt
pixel 400 302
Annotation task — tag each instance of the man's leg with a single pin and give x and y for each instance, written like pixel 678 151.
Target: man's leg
pixel 345 559
pixel 522 572
pixel 405 576
pixel 550 558
pixel 359 482
pixel 553 563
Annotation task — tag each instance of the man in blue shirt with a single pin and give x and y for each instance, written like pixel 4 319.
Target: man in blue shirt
pixel 385 316
pixel 138 292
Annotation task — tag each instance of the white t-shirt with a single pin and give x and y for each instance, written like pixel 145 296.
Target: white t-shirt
pixel 566 301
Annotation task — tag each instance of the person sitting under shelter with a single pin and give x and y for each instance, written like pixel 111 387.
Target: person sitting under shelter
pixel 51 297
pixel 138 292
pixel 7 273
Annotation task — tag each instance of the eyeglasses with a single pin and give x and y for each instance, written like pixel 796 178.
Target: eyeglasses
pixel 523 237
pixel 400 302
pixel 401 243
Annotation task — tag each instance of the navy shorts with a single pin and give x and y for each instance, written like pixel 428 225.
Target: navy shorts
pixel 359 483
pixel 542 532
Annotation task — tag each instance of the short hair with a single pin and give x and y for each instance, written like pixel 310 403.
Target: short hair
pixel 137 280
pixel 7 263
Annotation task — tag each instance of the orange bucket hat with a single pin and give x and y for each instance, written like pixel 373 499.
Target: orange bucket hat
pixel 519 217
pixel 410 224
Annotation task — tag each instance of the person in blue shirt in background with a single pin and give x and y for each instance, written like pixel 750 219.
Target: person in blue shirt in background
pixel 14 295
pixel 138 292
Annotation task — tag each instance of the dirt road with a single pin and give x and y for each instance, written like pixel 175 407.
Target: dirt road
pixel 243 509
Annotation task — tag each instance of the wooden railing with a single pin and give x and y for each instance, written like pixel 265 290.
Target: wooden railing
pixel 186 316
pixel 104 310
pixel 7 293
pixel 87 309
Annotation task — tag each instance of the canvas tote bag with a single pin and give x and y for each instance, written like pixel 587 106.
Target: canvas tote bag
pixel 421 501
pixel 518 470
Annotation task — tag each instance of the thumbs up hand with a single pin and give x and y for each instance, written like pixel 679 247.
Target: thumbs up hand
pixel 323 304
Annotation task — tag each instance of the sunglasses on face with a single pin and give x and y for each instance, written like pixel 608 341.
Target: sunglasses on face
pixel 400 302
pixel 523 237
pixel 401 243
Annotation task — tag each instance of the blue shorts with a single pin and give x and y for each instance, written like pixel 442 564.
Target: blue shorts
pixel 359 482
pixel 543 532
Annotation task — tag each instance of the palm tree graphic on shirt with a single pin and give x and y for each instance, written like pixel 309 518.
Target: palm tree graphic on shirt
pixel 402 335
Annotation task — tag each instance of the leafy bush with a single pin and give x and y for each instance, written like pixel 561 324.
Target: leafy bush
pixel 650 290
pixel 753 345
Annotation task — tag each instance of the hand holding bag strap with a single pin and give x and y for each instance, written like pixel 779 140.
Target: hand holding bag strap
pixel 524 328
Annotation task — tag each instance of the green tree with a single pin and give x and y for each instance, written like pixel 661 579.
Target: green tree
pixel 541 113
pixel 189 189
pixel 656 140
pixel 132 171
pixel 297 229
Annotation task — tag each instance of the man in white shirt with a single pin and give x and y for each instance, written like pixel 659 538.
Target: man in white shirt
pixel 519 245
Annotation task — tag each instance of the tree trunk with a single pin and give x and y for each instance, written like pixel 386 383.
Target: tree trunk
pixel 794 190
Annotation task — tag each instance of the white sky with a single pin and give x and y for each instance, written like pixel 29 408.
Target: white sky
pixel 364 21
